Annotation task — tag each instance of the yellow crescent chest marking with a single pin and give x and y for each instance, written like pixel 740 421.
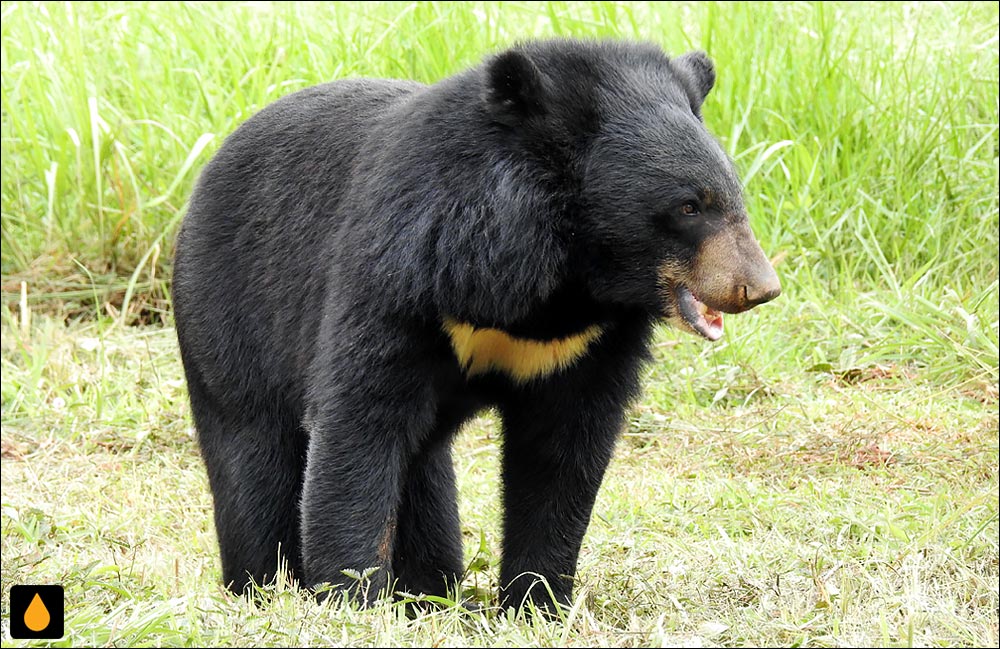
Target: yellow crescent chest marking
pixel 481 350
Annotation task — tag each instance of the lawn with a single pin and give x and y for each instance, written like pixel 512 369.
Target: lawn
pixel 825 475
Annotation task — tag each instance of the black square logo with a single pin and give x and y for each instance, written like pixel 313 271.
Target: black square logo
pixel 36 612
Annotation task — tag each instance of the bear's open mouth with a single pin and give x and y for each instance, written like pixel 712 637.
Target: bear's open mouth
pixel 703 319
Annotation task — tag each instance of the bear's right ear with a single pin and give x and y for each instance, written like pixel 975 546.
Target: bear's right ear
pixel 514 88
pixel 698 74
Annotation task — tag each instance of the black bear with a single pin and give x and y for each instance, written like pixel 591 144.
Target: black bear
pixel 365 264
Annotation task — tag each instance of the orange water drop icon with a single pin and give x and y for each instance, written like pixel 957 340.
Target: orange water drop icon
pixel 36 617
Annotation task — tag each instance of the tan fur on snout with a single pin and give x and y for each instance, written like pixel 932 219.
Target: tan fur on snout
pixel 729 272
pixel 730 269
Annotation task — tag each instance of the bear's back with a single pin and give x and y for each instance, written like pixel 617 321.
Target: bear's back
pixel 258 221
pixel 296 149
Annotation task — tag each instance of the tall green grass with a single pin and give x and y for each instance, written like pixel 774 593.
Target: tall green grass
pixel 867 134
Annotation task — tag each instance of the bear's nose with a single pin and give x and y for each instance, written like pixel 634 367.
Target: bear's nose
pixel 755 295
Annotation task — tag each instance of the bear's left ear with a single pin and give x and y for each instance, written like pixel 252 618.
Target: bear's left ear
pixel 698 74
pixel 514 88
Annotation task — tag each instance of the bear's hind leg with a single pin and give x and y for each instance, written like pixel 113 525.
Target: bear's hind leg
pixel 255 465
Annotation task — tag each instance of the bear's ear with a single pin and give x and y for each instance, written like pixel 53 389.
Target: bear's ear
pixel 698 73
pixel 514 88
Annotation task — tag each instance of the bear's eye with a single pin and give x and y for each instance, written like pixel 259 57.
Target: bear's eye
pixel 690 208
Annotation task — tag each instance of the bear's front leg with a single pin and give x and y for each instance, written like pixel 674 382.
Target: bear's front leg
pixel 361 439
pixel 554 457
pixel 559 435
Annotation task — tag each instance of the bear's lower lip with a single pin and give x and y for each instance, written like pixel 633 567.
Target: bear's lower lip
pixel 703 319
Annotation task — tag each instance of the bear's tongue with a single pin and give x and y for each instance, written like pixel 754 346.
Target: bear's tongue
pixel 703 319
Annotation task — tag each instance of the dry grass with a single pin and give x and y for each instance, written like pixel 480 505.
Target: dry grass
pixel 820 514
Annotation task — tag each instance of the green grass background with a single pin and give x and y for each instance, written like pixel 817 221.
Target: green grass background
pixel 844 436
pixel 866 134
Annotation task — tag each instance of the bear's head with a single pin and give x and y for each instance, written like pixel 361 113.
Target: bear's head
pixel 650 207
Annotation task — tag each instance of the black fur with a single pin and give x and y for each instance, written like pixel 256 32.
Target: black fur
pixel 333 233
